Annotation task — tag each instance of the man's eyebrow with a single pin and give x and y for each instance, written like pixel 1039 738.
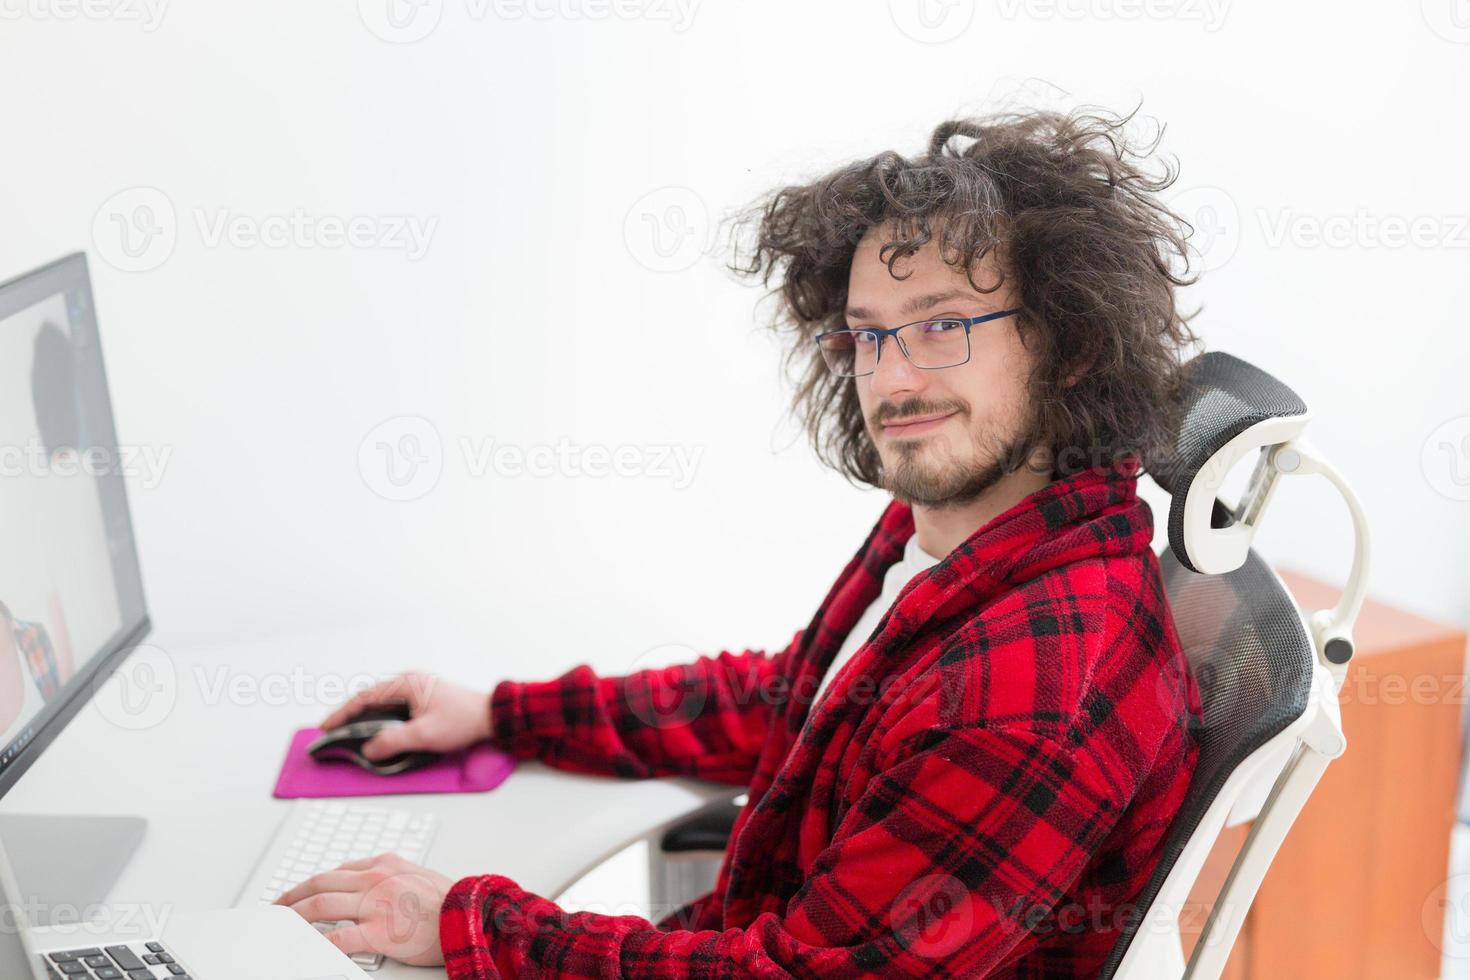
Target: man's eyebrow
pixel 916 305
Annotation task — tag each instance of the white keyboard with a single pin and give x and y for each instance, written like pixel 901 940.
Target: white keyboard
pixel 319 835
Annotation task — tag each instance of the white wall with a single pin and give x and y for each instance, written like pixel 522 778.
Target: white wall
pixel 542 309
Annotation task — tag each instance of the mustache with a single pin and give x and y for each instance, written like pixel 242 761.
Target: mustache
pixel 911 409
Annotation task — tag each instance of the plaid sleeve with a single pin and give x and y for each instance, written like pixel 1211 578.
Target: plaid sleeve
pixel 943 866
pixel 706 719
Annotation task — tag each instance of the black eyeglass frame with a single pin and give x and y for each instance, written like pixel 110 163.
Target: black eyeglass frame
pixel 878 333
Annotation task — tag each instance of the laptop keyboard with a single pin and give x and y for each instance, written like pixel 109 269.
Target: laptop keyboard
pixel 330 834
pixel 134 961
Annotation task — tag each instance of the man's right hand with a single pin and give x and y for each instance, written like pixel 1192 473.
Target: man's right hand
pixel 442 716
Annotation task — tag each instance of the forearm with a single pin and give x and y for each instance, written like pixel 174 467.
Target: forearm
pixel 707 719
pixel 490 927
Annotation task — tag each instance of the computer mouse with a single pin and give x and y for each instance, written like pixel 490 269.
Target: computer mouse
pixel 344 743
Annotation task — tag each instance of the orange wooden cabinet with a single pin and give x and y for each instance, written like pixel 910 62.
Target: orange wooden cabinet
pixel 1358 887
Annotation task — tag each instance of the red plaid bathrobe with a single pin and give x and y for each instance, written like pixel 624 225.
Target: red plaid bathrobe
pixel 982 792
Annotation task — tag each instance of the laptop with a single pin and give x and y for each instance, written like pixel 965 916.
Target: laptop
pixel 231 944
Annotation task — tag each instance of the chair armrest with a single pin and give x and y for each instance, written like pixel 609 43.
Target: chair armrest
pixel 707 830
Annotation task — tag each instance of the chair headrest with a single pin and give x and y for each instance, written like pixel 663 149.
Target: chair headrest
pixel 1229 409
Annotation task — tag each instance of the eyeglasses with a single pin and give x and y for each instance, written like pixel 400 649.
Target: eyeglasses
pixel 928 344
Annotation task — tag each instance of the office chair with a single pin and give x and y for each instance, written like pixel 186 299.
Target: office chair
pixel 1269 676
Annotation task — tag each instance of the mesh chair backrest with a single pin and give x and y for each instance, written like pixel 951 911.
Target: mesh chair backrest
pixel 1222 397
pixel 1252 660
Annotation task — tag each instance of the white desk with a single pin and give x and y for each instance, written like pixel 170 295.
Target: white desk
pixel 202 769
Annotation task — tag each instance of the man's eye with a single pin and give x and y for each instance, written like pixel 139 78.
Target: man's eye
pixel 941 326
pixel 863 339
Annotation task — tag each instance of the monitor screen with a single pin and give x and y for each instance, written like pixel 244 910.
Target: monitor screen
pixel 71 596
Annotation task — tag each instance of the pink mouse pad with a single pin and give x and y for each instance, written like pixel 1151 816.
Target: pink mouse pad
pixel 473 770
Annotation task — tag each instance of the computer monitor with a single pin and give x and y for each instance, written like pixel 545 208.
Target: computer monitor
pixel 71 595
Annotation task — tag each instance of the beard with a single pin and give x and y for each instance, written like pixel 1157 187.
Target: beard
pixel 929 473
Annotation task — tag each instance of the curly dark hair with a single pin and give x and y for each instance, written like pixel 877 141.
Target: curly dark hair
pixel 1067 202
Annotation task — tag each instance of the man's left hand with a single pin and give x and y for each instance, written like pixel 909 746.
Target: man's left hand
pixel 393 904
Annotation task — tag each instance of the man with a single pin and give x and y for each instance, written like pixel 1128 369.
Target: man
pixel 966 764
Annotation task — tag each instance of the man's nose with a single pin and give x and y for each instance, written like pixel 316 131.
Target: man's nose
pixel 894 374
